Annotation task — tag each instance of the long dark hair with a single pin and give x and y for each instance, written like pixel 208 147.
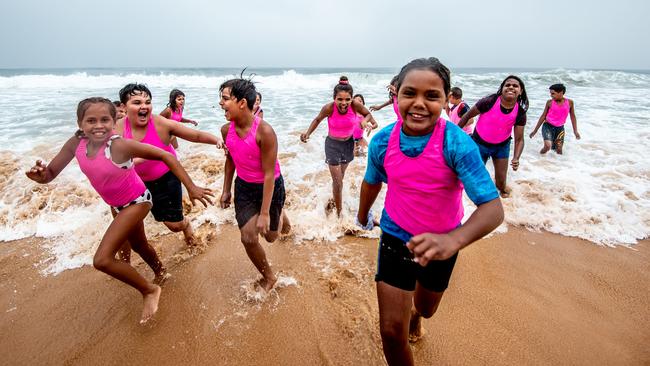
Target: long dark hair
pixel 522 99
pixel 431 64
pixel 172 99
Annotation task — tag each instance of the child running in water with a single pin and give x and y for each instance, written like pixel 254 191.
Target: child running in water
pixel 457 109
pixel 252 151
pixel 424 159
pixel 140 125
pixel 341 117
pixel 257 108
pixel 500 113
pixel 554 117
pixel 107 161
pixel 360 143
pixel 174 111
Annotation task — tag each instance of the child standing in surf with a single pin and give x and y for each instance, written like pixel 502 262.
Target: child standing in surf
pixel 424 159
pixel 107 161
pixel 557 109
pixel 174 111
pixel 341 117
pixel 500 114
pixel 257 108
pixel 252 152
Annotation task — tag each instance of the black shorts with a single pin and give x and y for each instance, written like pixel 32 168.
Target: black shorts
pixel 339 152
pixel 167 198
pixel 248 201
pixel 395 266
pixel 553 134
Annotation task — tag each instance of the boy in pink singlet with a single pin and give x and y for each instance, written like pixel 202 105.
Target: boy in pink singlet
pixel 554 117
pixel 252 152
pixel 107 161
pixel 424 159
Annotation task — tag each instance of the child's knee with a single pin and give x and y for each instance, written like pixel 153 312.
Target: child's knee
pixel 271 236
pixel 392 331
pixel 101 262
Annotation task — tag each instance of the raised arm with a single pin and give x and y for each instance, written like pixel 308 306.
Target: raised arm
pixel 40 173
pixel 541 119
pixel 325 112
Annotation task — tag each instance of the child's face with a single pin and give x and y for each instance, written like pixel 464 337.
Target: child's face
pixel 231 105
pixel 453 100
pixel 138 108
pixel 180 101
pixel 421 99
pixel 556 95
pixel 121 111
pixel 342 100
pixel 511 90
pixel 359 100
pixel 257 102
pixel 97 123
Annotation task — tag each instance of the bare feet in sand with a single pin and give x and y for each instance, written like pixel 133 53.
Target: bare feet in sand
pixel 416 332
pixel 150 305
pixel 267 283
pixel 190 240
pixel 286 224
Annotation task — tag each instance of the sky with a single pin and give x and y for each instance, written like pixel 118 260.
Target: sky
pixel 335 33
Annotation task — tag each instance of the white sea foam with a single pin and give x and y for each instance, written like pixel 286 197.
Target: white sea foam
pixel 597 190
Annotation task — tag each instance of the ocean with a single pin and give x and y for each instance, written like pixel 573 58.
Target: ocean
pixel 598 190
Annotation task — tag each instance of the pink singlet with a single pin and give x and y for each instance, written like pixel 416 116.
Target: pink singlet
pixel 341 125
pixel 424 194
pixel 358 131
pixel 557 113
pixel 247 155
pixel 494 126
pixel 150 169
pixel 176 116
pixel 453 115
pixel 116 185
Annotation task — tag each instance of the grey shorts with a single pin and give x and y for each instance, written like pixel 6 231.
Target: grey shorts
pixel 339 152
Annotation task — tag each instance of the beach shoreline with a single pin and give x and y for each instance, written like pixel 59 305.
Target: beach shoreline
pixel 515 298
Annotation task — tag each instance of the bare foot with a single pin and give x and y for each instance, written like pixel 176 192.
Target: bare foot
pixel 150 304
pixel 286 225
pixel 416 332
pixel 189 235
pixel 544 150
pixel 161 277
pixel 267 283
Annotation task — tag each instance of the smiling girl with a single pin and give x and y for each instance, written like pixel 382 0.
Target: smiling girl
pixel 424 159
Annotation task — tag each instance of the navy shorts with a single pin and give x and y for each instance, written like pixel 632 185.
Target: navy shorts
pixel 499 151
pixel 395 266
pixel 167 198
pixel 339 152
pixel 248 201
pixel 553 134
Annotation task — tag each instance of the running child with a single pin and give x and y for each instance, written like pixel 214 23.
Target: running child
pixel 107 161
pixel 120 109
pixel 174 111
pixel 141 125
pixel 360 144
pixel 554 117
pixel 252 152
pixel 341 117
pixel 457 108
pixel 500 114
pixel 423 158
pixel 257 108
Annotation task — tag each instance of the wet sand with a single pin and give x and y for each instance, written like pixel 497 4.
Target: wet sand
pixel 515 298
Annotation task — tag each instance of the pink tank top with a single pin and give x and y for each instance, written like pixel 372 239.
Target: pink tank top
pixel 150 169
pixel 176 116
pixel 453 115
pixel 117 186
pixel 247 155
pixel 341 125
pixel 557 113
pixel 358 131
pixel 424 194
pixel 396 108
pixel 494 126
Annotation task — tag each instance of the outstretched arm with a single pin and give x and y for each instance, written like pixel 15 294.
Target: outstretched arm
pixel 473 112
pixel 574 121
pixel 380 106
pixel 189 134
pixel 324 112
pixel 542 118
pixel 40 173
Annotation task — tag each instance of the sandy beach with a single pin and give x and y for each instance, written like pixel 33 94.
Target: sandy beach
pixel 515 298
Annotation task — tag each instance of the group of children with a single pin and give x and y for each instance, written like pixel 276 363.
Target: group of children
pixel 426 159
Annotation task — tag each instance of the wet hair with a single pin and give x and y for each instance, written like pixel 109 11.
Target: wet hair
pixel 83 106
pixel 343 86
pixel 431 64
pixel 132 89
pixel 117 103
pixel 522 99
pixel 363 100
pixel 558 88
pixel 456 92
pixel 172 98
pixel 241 88
pixel 259 95
pixel 393 82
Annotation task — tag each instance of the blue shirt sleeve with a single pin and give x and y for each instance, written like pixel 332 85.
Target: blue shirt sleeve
pixel 462 155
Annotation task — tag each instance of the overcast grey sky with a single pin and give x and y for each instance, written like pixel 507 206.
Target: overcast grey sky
pixel 334 33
